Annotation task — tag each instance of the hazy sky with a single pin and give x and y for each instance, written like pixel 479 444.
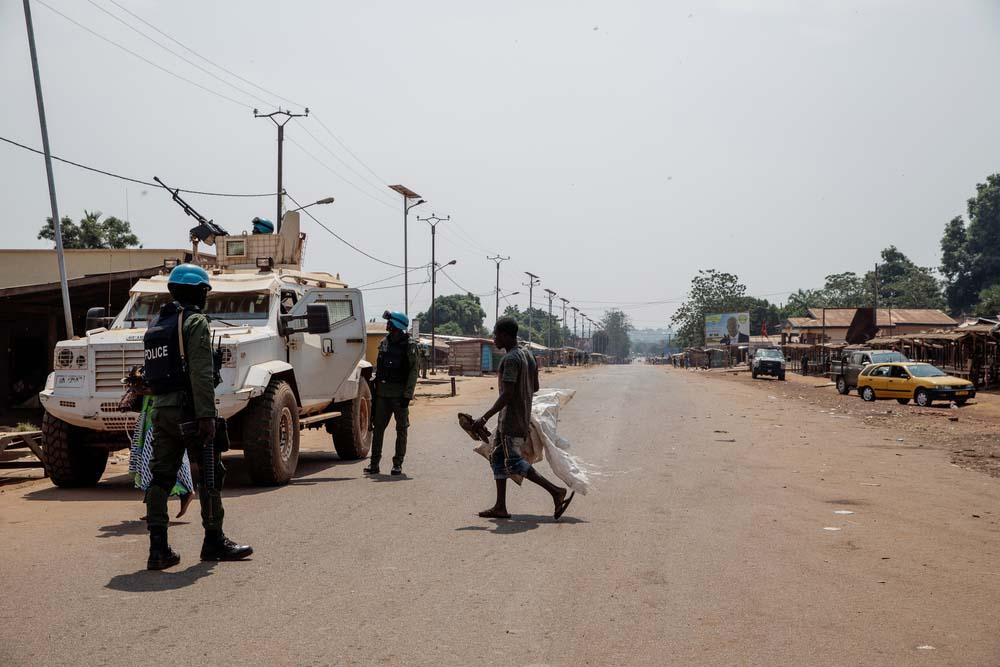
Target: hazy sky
pixel 613 148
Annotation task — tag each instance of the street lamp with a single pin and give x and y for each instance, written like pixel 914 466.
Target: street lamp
pixel 408 194
pixel 325 200
pixel 434 269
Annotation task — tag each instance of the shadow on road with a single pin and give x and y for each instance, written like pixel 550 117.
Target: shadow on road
pixel 520 523
pixel 145 581
pixel 131 527
pixel 392 478
pixel 120 487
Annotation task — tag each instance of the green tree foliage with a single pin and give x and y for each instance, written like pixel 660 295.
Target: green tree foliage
pixel 903 284
pixel 711 292
pixel 538 320
pixel 92 232
pixel 970 253
pixel 455 315
pixel 989 302
pixel 615 327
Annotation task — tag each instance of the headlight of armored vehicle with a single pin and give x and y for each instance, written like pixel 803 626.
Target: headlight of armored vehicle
pixel 70 358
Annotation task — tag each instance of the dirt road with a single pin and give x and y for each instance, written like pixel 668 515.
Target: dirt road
pixel 728 528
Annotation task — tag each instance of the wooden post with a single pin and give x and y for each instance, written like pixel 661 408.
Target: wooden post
pixel 453 391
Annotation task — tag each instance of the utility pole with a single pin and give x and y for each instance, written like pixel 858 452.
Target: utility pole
pixel 288 115
pixel 56 223
pixel 498 259
pixel 433 221
pixel 408 194
pixel 575 339
pixel 551 294
pixel 565 303
pixel 533 280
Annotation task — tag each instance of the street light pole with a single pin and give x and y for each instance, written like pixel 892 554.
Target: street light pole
pixel 281 140
pixel 325 200
pixel 551 294
pixel 433 221
pixel 575 311
pixel 532 282
pixel 56 223
pixel 407 194
pixel 565 303
pixel 499 259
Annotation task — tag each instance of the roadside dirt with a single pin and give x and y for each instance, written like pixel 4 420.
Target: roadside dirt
pixel 969 433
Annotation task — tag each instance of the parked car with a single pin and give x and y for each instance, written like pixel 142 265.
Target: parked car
pixel 768 361
pixel 904 381
pixel 846 371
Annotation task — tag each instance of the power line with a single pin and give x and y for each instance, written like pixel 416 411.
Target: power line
pixel 178 55
pixel 395 275
pixel 341 177
pixel 341 161
pixel 133 180
pixel 190 50
pixel 341 238
pixel 376 289
pixel 143 58
pixel 347 148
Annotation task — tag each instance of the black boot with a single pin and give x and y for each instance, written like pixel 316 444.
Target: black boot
pixel 161 556
pixel 372 469
pixel 219 547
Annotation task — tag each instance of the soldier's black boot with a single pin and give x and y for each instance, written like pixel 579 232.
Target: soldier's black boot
pixel 219 547
pixel 161 556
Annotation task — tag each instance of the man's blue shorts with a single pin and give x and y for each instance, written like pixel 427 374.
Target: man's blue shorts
pixel 506 459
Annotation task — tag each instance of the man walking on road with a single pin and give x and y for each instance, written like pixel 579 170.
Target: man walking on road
pixel 396 373
pixel 518 375
pixel 180 371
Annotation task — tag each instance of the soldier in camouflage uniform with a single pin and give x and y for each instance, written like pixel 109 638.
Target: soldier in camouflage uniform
pixel 180 371
pixel 395 381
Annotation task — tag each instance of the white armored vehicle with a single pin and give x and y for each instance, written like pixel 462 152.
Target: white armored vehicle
pixel 286 364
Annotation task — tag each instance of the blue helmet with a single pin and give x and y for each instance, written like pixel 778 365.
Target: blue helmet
pixel 398 320
pixel 262 226
pixel 189 274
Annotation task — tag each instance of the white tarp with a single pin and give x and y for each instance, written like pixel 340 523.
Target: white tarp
pixel 545 405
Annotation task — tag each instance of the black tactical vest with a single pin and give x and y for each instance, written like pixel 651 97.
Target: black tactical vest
pixel 394 361
pixel 165 370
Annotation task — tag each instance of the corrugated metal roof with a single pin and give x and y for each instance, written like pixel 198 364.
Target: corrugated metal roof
pixel 887 317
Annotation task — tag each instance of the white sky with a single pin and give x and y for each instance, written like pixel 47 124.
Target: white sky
pixel 612 148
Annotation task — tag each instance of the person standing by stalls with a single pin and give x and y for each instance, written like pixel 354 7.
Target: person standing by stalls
pixel 396 372
pixel 518 383
pixel 180 372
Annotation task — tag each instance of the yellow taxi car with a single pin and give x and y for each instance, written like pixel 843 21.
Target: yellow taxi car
pixel 923 383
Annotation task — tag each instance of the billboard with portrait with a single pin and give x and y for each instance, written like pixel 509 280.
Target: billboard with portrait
pixel 727 328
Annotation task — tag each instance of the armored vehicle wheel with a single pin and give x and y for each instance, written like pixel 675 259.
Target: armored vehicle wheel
pixel 271 441
pixel 352 434
pixel 842 385
pixel 69 461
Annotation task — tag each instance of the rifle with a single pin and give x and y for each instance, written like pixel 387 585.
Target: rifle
pixel 189 431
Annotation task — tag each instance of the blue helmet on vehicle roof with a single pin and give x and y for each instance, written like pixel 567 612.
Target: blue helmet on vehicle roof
pixel 397 320
pixel 262 226
pixel 189 274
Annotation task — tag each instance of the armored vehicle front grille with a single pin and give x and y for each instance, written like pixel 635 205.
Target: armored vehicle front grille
pixel 111 366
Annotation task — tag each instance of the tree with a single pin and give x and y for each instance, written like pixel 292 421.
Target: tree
pixel 843 290
pixel 92 232
pixel 615 327
pixel 970 254
pixel 535 321
pixel 989 302
pixel 903 284
pixel 463 311
pixel 711 292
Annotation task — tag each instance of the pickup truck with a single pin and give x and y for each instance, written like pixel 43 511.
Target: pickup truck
pixel 845 371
